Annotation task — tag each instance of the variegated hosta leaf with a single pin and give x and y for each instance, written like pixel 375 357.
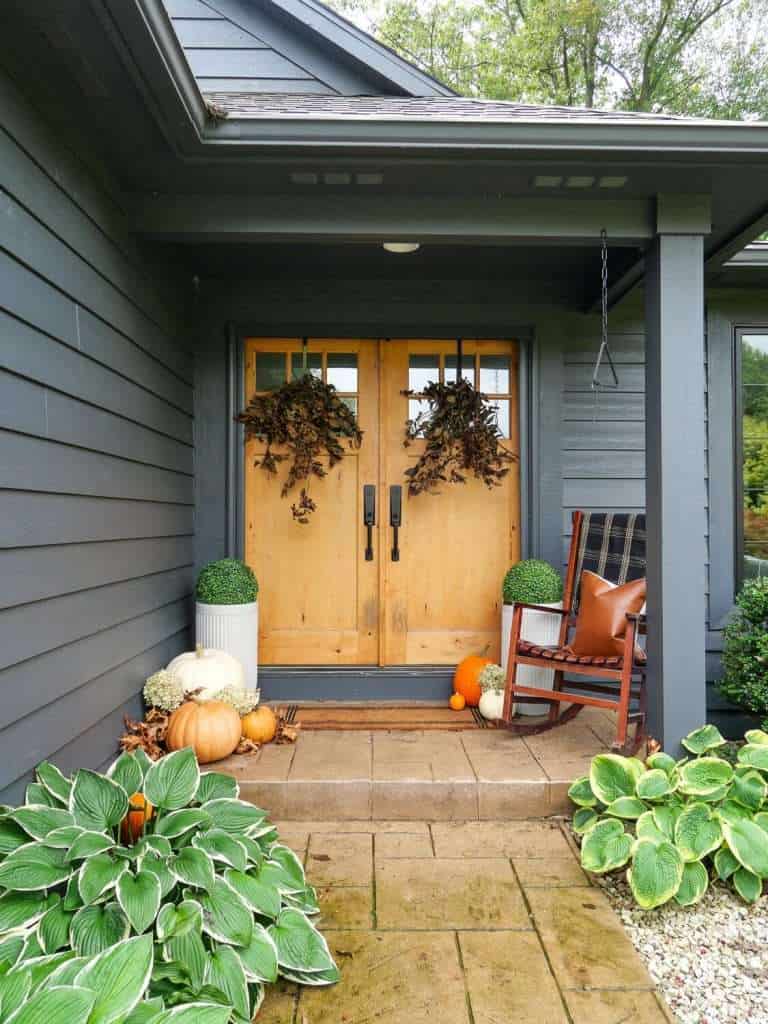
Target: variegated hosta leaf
pixel 178 822
pixel 120 977
pixel 755 755
pixel 749 789
pixel 10 949
pixel 655 874
pixel 89 843
pixel 14 989
pixel 661 761
pixel 171 783
pixel 747 885
pixel 256 889
pixel 580 793
pixel 705 776
pixel 225 972
pixel 290 866
pixel 221 846
pixel 21 910
pixel 57 784
pixel 605 847
pixel 300 946
pixel 706 738
pixel 57 1005
pixel 193 867
pixel 646 828
pixel 628 807
pixel 693 885
pixel 38 820
pixel 196 1013
pixel 612 776
pixel 225 915
pixel 173 922
pixel 32 867
pixel 730 811
pixel 36 793
pixel 749 845
pixel 189 949
pixel 139 897
pixel 761 819
pixel 127 772
pixel 97 802
pixel 584 819
pixel 94 929
pixel 697 832
pixel 234 816
pixel 756 737
pixel 725 864
pixel 53 928
pixel 653 785
pixel 159 866
pixel 216 786
pixel 259 957
pixel 97 875
pixel 11 836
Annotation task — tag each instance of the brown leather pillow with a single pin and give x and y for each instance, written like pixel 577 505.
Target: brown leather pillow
pixel 601 623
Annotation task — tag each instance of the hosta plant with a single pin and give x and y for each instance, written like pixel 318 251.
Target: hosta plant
pixel 149 895
pixel 678 824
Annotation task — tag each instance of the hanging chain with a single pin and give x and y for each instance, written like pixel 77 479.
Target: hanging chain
pixel 304 344
pixel 605 349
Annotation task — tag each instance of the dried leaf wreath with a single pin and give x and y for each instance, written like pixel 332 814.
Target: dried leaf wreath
pixel 310 420
pixel 461 434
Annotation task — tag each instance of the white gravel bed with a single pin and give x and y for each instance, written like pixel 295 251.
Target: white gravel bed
pixel 709 961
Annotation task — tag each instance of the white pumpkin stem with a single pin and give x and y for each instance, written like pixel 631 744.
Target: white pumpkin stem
pixel 199 650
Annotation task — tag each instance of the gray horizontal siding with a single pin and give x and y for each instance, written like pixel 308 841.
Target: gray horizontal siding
pixel 96 459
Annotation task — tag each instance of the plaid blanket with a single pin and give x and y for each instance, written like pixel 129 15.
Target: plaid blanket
pixel 612 544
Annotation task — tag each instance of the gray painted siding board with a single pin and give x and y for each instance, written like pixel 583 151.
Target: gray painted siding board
pixel 205 32
pixel 628 435
pixel 31 464
pixel 578 377
pixel 28 353
pixel 608 405
pixel 35 574
pixel 22 405
pixel 268 85
pixel 31 299
pixel 31 519
pixel 594 493
pixel 242 64
pixel 189 9
pixel 603 465
pixel 27 631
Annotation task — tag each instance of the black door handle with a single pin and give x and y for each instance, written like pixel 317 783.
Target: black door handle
pixel 369 517
pixel 396 518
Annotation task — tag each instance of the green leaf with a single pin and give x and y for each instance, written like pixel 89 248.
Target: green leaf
pixel 221 846
pixel 225 915
pixel 189 949
pixel 11 836
pixel 729 810
pixel 646 828
pixel 581 793
pixel 98 875
pixel 698 832
pixel 10 948
pixel 747 885
pixel 57 784
pixel 605 847
pixel 234 816
pixel 653 785
pixel 259 957
pixel 725 864
pixel 158 866
pixel 327 977
pixel 252 849
pixel 38 819
pixel 625 807
pixel 584 819
pixel 178 822
pixel 156 844
pixel 171 782
pixel 705 776
pixel 197 1013
pixel 258 892
pixel 177 921
pixel 193 867
pixel 761 819
pixel 21 910
pixel 700 740
pixel 662 762
pixel 139 897
pixel 36 793
pixel 34 866
pixel 749 789
pixel 225 971
pixel 694 884
pixel 58 1005
pixel 97 802
pixel 655 874
pixel 127 772
pixel 755 755
pixel 14 989
pixel 749 845
pixel 612 776
pixel 756 737
pixel 95 929
pixel 53 929
pixel 149 1011
pixel 665 816
pixel 88 844
pixel 63 838
pixel 290 866
pixel 120 977
pixel 217 786
pixel 143 760
pixel 66 972
pixel 299 944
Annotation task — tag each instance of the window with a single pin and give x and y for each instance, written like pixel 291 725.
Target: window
pixel 752 452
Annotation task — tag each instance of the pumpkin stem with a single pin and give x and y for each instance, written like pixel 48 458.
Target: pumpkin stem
pixel 199 650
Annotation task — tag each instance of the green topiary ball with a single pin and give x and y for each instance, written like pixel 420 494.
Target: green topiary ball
pixel 532 582
pixel 228 581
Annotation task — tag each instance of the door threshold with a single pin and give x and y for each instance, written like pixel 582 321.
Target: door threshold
pixel 356 683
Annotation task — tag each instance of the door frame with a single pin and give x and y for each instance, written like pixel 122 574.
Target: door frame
pixel 236 333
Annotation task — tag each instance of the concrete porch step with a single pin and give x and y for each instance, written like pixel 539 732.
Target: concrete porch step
pixel 434 776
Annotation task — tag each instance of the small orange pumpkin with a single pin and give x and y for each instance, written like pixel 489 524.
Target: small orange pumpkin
pixel 132 825
pixel 260 725
pixel 211 728
pixel 465 679
pixel 457 701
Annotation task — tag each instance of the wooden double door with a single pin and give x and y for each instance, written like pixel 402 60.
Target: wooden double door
pixel 340 592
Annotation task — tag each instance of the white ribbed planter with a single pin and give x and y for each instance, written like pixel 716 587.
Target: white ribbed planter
pixel 233 628
pixel 537 628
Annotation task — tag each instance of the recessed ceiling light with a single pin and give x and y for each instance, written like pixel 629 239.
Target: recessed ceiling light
pixel 580 181
pixel 369 179
pixel 401 247
pixel 337 178
pixel 304 178
pixel 613 181
pixel 548 181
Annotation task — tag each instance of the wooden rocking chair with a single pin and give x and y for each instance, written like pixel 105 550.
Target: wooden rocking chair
pixel 613 546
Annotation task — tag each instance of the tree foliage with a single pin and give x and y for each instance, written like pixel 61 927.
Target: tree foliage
pixel 699 57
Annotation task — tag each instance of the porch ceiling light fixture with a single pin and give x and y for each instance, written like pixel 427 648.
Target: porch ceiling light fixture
pixel 401 248
pixel 548 181
pixel 580 181
pixel 612 181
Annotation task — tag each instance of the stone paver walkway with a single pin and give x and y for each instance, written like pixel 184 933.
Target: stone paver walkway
pixel 479 922
pixel 480 773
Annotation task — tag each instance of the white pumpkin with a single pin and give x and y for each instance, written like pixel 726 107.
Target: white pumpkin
pixel 208 671
pixel 491 704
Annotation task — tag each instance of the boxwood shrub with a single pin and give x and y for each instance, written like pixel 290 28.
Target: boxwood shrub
pixel 228 581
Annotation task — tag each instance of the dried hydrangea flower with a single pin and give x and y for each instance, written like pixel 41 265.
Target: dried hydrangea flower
pixel 164 690
pixel 491 678
pixel 241 700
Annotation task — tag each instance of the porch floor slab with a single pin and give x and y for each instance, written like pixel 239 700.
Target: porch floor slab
pixel 481 774
pixel 467 923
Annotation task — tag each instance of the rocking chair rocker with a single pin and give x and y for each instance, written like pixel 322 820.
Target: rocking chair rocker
pixel 613 546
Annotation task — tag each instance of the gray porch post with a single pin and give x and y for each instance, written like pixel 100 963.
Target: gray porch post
pixel 676 483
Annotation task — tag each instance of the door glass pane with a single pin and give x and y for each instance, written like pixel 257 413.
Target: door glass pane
pixel 342 370
pixel 422 370
pixel 501 406
pixel 415 406
pixel 352 403
pixel 494 375
pixel 467 368
pixel 270 370
pixel 754 397
pixel 314 364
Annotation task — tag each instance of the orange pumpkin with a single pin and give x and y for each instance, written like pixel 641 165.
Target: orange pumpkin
pixel 457 702
pixel 260 725
pixel 211 728
pixel 465 679
pixel 132 825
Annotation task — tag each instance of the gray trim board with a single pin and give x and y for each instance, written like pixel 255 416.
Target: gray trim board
pixel 416 683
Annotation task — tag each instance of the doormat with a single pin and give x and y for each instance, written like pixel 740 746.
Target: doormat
pixel 382 717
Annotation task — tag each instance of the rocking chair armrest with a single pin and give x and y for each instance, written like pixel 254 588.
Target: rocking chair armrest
pixel 640 620
pixel 542 608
